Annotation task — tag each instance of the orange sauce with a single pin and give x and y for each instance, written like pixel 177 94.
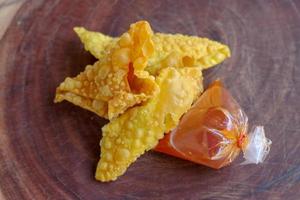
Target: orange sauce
pixel 211 133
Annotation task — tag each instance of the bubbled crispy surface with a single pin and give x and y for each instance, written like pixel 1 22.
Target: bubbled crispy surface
pixel 196 51
pixel 143 83
pixel 124 82
pixel 104 86
pixel 94 42
pixel 139 129
pixel 82 91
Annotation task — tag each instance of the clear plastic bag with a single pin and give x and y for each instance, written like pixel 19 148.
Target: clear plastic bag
pixel 214 131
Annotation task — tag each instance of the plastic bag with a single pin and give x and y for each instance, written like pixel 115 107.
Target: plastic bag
pixel 214 131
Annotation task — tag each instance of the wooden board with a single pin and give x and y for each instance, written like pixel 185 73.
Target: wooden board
pixel 50 151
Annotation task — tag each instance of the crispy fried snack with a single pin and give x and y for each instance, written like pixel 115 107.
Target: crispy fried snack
pixel 139 129
pixel 96 43
pixel 143 83
pixel 121 78
pixel 118 81
pixel 82 91
pixel 194 51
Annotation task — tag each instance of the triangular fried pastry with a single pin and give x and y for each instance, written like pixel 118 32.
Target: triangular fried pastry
pixel 139 129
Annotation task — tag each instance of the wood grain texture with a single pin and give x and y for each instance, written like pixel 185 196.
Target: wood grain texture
pixel 50 151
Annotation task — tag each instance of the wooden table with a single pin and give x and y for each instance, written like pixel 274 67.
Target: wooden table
pixel 50 151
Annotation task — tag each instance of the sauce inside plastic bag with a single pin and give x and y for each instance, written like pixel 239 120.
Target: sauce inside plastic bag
pixel 212 132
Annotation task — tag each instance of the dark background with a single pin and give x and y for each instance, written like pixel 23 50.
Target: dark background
pixel 50 151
